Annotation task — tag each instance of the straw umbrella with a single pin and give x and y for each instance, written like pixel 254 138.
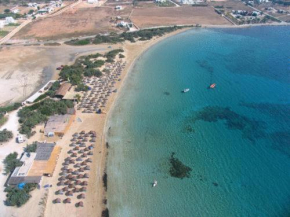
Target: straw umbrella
pixel 60 183
pixel 81 196
pixel 84 183
pixel 90 153
pixel 80 176
pixel 80 204
pixel 86 176
pixel 65 189
pixel 59 192
pixel 83 189
pixel 67 200
pixel 57 200
pixel 69 193
pixel 78 182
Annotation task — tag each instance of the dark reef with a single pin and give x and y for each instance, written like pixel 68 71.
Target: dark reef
pixel 251 129
pixel 178 169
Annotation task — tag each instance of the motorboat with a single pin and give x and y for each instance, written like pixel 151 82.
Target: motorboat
pixel 212 86
pixel 185 90
pixel 154 183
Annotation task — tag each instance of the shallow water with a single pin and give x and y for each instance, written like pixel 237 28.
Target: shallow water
pixel 234 137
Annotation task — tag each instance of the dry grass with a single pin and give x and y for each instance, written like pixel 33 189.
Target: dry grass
pixel 149 17
pixel 84 21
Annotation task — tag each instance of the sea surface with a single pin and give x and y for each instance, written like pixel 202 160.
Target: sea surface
pixel 236 137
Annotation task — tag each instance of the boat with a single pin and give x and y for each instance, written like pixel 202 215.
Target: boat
pixel 154 183
pixel 212 86
pixel 185 90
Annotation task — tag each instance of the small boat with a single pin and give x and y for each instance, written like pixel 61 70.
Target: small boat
pixel 154 183
pixel 212 86
pixel 185 90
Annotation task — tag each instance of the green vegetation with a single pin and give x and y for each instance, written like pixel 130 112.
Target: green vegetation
pixel 41 97
pixel 38 113
pixel 166 4
pixel 113 38
pixel 3 33
pixel 31 148
pixel 3 119
pixel 5 135
pixel 86 66
pixel 11 162
pixel 178 169
pixel 53 89
pixel 18 197
pixel 15 16
pixel 10 108
pixel 13 24
pixel 121 56
pixel 78 42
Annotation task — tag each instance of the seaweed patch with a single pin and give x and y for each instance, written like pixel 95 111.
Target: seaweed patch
pixel 178 169
pixel 251 129
pixel 281 142
pixel 204 64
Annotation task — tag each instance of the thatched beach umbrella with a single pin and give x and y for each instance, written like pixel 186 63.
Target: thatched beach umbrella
pixel 80 176
pixel 60 183
pixel 59 192
pixel 67 200
pixel 57 200
pixel 90 153
pixel 84 163
pixel 84 155
pixel 71 186
pixel 89 160
pixel 84 183
pixel 69 193
pixel 78 182
pixel 86 175
pixel 81 196
pixel 83 189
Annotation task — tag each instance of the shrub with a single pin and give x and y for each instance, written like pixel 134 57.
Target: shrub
pixel 5 135
pixel 31 148
pixel 11 162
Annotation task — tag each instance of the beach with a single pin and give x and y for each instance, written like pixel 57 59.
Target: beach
pixel 41 203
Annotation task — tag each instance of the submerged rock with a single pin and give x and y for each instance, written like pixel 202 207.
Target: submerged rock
pixel 178 169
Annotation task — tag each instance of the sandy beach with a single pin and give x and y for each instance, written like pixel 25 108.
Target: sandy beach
pixel 41 203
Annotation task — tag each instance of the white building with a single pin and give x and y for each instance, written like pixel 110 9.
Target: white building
pixel 93 1
pixel 2 24
pixel 33 5
pixel 118 7
pixel 191 2
pixel 160 1
pixel 9 20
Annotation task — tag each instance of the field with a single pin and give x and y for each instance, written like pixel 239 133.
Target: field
pixel 160 16
pixel 83 21
pixel 232 5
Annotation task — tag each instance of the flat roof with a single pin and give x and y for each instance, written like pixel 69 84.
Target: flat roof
pixel 44 151
pixel 57 123
pixel 27 163
pixel 63 89
pixel 32 98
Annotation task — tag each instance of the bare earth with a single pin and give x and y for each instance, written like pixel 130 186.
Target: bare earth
pixel 72 23
pixel 24 69
pixel 160 16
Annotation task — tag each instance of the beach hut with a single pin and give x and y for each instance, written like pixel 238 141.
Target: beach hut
pixel 67 200
pixel 57 200
pixel 80 204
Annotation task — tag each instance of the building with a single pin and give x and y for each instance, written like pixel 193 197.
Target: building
pixel 92 1
pixel 36 165
pixel 2 24
pixel 9 20
pixel 62 90
pixel 160 1
pixel 33 5
pixel 58 125
pixel 118 7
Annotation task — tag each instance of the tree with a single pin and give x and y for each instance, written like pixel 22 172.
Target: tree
pixel 31 148
pixel 5 135
pixel 78 97
pixel 6 11
pixel 11 162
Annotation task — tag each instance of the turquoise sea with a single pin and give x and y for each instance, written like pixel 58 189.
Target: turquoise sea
pixel 236 137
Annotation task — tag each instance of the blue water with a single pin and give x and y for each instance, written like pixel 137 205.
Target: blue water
pixel 239 150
